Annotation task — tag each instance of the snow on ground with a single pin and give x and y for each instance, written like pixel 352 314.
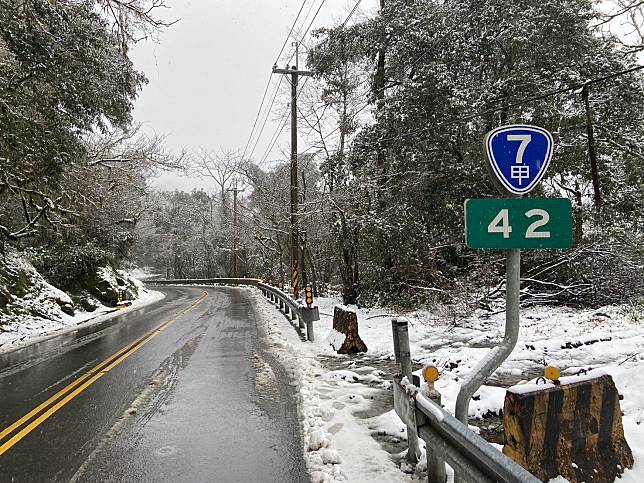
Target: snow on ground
pixel 39 314
pixel 338 445
pixel 143 273
pixel 347 403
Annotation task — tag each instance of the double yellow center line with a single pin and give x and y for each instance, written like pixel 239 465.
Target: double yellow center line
pixel 62 397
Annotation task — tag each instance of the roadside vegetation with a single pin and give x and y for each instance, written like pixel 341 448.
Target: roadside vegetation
pixel 394 118
pixel 73 165
pixel 396 114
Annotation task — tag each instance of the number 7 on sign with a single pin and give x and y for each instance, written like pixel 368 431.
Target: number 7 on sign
pixel 520 171
pixel 525 140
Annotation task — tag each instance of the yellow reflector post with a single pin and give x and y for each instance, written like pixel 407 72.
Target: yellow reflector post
pixel 552 373
pixel 431 374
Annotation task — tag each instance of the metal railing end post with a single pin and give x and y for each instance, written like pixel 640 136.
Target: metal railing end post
pixel 394 330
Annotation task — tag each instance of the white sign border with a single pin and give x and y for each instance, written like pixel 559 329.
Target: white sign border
pixel 493 164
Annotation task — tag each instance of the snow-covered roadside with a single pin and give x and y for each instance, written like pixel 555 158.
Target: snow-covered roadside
pixel 337 445
pixel 344 420
pixel 24 331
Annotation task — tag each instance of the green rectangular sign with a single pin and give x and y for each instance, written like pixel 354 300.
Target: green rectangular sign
pixel 505 223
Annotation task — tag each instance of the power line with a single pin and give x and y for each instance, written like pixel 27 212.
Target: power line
pixel 342 25
pixel 327 136
pixel 355 7
pixel 475 115
pixel 267 113
pixel 290 31
pixel 285 42
pixel 283 123
pixel 279 129
pixel 276 135
pixel 261 104
pixel 308 13
pixel 313 19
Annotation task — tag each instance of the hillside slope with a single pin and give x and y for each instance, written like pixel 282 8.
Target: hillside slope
pixel 30 307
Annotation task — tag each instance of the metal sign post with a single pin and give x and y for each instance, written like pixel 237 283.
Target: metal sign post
pixel 518 157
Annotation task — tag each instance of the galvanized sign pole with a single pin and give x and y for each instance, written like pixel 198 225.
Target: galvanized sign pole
pixel 518 157
pixel 496 356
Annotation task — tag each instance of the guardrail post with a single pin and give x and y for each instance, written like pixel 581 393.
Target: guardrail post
pixel 308 315
pixel 435 454
pixel 394 330
pixel 309 331
pixel 413 452
pixel 402 328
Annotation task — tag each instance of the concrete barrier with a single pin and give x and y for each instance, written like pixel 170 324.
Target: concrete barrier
pixel 572 427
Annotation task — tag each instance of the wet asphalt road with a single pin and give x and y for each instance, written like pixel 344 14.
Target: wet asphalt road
pixel 200 401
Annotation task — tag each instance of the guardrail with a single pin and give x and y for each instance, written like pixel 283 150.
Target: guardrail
pixel 254 282
pixel 294 309
pixel 305 314
pixel 448 440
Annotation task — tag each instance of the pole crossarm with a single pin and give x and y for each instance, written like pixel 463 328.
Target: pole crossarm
pixel 293 71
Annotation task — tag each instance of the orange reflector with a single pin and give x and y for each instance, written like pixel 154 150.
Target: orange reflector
pixel 431 374
pixel 552 373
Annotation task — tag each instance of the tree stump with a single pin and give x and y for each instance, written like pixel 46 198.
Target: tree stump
pixel 344 337
pixel 573 430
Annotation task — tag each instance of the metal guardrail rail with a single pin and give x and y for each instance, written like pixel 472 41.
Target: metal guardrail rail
pixel 305 314
pixel 254 282
pixel 473 459
pixel 294 309
pixel 465 451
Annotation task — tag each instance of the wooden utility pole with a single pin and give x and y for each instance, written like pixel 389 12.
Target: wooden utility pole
pixel 295 73
pixel 592 152
pixel 235 191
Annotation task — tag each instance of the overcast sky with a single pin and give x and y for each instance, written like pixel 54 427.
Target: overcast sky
pixel 207 73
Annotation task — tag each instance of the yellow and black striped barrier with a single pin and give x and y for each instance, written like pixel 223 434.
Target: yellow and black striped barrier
pixel 570 427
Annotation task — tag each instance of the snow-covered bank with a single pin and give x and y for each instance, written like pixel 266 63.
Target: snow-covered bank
pixel 34 310
pixel 350 429
pixel 338 446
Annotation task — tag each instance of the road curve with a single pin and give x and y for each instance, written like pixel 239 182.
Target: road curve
pixel 182 390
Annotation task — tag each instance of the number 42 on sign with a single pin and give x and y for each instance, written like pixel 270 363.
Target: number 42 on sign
pixel 507 223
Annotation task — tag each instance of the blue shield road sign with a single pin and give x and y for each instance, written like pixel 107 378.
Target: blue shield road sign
pixel 519 156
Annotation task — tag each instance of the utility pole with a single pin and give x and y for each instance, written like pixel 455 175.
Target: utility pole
pixel 592 151
pixel 295 73
pixel 235 191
